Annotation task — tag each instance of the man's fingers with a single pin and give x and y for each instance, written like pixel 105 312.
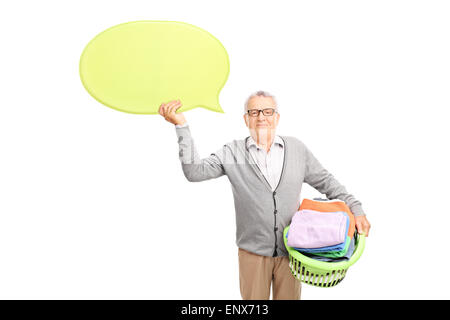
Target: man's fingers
pixel 164 111
pixel 176 107
pixel 167 109
pixel 161 109
pixel 363 228
pixel 359 227
pixel 366 229
pixel 363 225
pixel 171 103
pixel 173 107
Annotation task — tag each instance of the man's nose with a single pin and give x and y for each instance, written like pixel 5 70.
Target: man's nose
pixel 261 116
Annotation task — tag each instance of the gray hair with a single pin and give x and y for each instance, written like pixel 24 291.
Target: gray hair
pixel 259 93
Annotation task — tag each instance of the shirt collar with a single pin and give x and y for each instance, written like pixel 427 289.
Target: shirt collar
pixel 277 140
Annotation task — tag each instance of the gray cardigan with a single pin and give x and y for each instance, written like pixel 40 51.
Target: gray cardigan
pixel 262 214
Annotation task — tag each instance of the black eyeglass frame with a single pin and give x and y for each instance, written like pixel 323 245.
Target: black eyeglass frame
pixel 262 110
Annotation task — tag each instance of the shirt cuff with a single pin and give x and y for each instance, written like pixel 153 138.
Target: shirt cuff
pixel 181 125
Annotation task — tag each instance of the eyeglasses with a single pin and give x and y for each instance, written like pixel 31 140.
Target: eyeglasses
pixel 266 112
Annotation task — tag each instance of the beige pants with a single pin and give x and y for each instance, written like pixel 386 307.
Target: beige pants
pixel 257 273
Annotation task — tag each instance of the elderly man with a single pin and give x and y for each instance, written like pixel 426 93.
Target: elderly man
pixel 266 172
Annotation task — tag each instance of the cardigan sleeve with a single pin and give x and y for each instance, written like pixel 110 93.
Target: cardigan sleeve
pixel 194 168
pixel 324 182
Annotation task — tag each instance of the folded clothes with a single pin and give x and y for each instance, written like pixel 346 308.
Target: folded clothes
pixel 336 251
pixel 334 248
pixel 330 206
pixel 344 248
pixel 345 257
pixel 339 246
pixel 331 254
pixel 312 229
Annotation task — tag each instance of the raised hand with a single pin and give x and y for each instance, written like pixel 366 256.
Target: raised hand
pixel 168 111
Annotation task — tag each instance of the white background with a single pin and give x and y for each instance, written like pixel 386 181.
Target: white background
pixel 90 196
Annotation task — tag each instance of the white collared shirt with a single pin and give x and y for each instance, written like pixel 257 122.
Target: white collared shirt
pixel 270 163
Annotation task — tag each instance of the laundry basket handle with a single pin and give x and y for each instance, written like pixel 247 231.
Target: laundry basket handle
pixel 359 249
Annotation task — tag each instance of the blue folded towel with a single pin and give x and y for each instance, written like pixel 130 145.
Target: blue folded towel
pixel 346 257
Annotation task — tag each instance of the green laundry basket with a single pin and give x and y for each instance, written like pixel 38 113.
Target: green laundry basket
pixel 321 273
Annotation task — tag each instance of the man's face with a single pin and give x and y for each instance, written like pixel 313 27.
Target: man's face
pixel 261 123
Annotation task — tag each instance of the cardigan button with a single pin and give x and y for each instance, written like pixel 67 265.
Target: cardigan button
pixel 276 228
pixel 275 212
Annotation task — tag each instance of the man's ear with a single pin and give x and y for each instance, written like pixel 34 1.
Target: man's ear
pixel 246 120
pixel 278 118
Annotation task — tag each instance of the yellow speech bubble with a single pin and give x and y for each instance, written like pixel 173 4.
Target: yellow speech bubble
pixel 136 66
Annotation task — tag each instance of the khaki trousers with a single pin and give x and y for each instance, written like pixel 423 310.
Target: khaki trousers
pixel 257 274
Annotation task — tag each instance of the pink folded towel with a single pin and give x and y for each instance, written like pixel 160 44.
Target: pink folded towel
pixel 314 229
